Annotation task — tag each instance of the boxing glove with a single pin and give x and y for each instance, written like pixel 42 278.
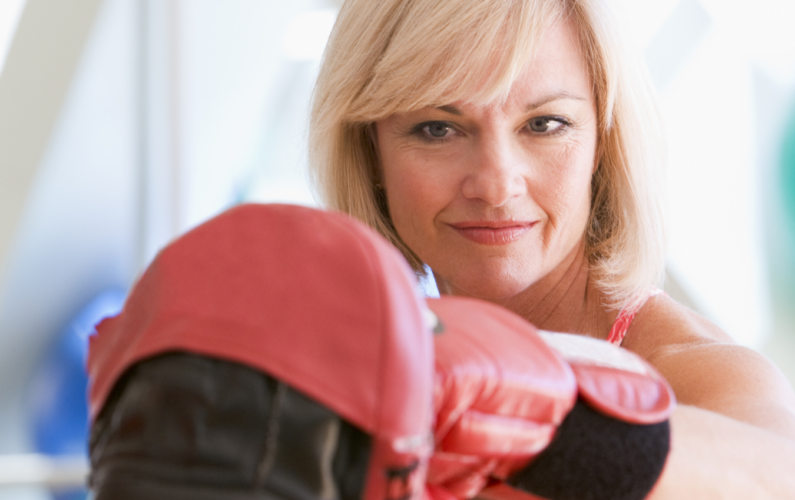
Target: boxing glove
pixel 610 441
pixel 274 351
pixel 614 443
pixel 500 394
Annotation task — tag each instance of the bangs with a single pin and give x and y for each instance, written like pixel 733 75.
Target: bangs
pixel 461 50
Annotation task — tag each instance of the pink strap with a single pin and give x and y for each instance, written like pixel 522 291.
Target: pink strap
pixel 625 317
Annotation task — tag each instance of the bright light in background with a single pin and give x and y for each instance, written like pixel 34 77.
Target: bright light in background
pixel 280 165
pixel 766 29
pixel 307 34
pixel 10 10
pixel 644 18
pixel 706 58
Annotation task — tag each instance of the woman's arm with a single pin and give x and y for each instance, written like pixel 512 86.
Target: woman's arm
pixel 707 369
pixel 713 456
pixel 732 380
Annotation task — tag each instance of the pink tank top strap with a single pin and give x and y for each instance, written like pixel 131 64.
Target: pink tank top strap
pixel 625 317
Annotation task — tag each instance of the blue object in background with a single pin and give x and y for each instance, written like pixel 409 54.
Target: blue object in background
pixel 783 278
pixel 58 400
pixel 788 169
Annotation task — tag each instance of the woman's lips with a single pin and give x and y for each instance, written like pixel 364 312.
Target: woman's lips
pixel 493 233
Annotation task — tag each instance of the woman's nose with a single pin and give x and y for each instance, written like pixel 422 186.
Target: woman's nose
pixel 495 175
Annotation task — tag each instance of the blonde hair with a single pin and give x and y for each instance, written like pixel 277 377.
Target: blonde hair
pixel 394 56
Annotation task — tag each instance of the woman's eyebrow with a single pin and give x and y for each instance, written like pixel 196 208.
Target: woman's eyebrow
pixel 530 107
pixel 553 97
pixel 450 109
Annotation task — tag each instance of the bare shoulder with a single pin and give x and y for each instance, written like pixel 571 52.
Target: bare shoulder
pixel 707 369
pixel 664 326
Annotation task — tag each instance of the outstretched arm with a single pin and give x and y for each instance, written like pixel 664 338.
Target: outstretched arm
pixel 714 456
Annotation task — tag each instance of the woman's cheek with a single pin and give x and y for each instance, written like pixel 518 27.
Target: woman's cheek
pixel 411 189
pixel 564 191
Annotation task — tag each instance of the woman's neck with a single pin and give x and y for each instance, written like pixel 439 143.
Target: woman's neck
pixel 565 300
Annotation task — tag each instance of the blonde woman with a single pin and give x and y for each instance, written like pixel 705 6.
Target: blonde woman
pixel 513 146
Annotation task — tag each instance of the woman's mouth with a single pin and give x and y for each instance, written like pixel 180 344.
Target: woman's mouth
pixel 492 232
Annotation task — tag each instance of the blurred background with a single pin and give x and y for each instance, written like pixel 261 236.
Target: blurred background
pixel 124 123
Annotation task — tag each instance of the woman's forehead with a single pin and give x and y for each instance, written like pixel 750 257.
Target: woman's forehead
pixel 534 53
pixel 557 70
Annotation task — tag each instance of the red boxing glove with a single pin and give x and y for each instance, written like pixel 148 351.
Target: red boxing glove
pixel 274 351
pixel 500 394
pixel 611 444
pixel 615 442
pixel 613 380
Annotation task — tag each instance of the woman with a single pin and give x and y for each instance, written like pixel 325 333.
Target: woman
pixel 513 146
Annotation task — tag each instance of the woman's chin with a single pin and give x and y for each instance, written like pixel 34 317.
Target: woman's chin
pixel 489 286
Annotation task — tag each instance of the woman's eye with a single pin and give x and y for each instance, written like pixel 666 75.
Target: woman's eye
pixel 437 130
pixel 546 124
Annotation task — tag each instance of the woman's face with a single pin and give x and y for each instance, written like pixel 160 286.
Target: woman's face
pixel 495 197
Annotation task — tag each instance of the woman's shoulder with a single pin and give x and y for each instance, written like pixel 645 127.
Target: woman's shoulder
pixel 663 326
pixel 706 368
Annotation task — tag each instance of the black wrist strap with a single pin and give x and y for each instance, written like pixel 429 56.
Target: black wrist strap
pixel 596 457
